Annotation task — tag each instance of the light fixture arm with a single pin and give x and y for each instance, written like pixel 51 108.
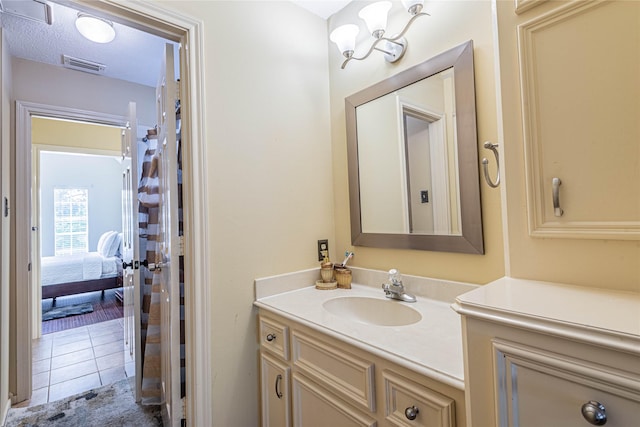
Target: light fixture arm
pixel 395 40
pixel 388 52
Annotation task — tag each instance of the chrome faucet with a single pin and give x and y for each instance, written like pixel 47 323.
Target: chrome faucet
pixel 395 289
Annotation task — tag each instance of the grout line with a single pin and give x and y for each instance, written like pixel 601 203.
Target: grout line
pixel 94 357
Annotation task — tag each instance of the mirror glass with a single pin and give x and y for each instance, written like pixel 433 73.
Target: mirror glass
pixel 412 148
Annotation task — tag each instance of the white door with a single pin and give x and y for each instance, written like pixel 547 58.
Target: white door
pixel 168 249
pixel 131 250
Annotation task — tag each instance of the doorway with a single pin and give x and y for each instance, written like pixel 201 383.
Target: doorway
pixel 188 33
pixel 77 202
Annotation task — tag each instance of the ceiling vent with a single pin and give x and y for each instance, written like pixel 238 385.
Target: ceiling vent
pixel 36 10
pixel 83 65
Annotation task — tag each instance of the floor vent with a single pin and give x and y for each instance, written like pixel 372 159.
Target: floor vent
pixel 83 65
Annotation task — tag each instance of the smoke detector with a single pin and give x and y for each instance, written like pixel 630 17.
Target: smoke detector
pixel 35 10
pixel 83 65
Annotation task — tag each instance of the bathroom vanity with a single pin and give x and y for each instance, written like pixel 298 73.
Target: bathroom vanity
pixel 355 358
pixel 550 354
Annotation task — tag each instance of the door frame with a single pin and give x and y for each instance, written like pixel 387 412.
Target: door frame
pixel 189 32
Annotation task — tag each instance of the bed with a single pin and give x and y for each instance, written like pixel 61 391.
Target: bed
pixel 85 272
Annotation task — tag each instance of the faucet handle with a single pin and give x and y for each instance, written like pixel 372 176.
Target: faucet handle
pixel 394 276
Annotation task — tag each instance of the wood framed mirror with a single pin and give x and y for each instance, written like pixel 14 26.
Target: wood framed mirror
pixel 413 158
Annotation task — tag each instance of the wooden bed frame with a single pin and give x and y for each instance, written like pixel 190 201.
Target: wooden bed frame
pixel 72 288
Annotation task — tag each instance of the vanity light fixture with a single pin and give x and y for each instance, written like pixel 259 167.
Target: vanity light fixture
pixel 375 16
pixel 95 29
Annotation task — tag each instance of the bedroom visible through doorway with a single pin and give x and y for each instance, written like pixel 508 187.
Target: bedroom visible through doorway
pixel 77 212
pixel 77 268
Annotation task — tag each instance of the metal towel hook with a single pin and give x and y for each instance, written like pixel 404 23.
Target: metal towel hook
pixel 493 147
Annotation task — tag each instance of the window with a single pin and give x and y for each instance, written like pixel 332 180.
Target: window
pixel 71 220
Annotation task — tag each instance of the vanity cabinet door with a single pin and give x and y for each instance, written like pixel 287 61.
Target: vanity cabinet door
pixel 579 89
pixel 275 393
pixel 314 406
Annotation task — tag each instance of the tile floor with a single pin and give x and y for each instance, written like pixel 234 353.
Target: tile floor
pixel 79 359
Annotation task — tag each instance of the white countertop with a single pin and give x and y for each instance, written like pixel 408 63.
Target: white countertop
pixel 431 347
pixel 604 317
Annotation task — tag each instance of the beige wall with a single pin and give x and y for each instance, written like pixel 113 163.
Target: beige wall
pixel 5 186
pixel 269 176
pixel 450 24
pixel 73 134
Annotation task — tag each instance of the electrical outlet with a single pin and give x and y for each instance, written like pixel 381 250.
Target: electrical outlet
pixel 323 245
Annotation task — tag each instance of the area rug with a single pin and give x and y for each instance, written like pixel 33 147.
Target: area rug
pixel 111 405
pixel 66 311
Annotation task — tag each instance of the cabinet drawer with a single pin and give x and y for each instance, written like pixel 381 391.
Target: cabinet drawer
pixel 535 384
pixel 410 404
pixel 340 371
pixel 274 337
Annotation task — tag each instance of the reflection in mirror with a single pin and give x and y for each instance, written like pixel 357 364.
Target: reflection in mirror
pixel 417 190
pixel 412 146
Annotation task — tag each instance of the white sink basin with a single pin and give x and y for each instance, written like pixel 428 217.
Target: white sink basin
pixel 373 311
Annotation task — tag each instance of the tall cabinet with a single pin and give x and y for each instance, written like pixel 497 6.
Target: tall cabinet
pixel 570 109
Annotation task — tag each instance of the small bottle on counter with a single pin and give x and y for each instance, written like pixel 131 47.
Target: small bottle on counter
pixel 327 274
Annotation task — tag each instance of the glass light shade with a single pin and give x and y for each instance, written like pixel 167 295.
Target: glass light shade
pixel 375 16
pixel 345 37
pixel 415 4
pixel 95 29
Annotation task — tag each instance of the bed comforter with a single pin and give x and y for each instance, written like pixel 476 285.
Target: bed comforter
pixel 78 267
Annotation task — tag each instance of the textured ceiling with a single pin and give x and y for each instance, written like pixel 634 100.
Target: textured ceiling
pixel 133 55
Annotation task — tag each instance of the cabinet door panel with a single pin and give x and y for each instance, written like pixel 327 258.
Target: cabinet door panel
pixel 276 409
pixel 579 67
pixel 349 375
pixel 313 406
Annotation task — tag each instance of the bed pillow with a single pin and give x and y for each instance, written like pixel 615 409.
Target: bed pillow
pixel 120 248
pixel 110 244
pixel 101 241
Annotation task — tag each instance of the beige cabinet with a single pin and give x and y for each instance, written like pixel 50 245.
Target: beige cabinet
pixel 275 372
pixel 335 383
pixel 276 408
pixel 578 65
pixel 569 103
pixel 314 405
pixel 550 355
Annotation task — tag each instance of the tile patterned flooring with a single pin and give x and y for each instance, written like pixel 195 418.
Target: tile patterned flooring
pixel 75 360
